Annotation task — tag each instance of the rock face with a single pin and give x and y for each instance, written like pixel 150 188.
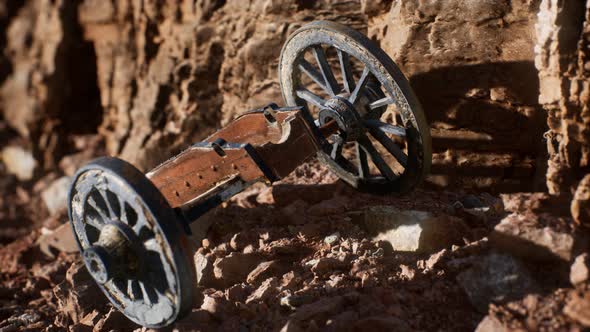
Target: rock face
pixel 580 207
pixel 411 230
pixel 471 65
pixel 562 59
pixel 48 76
pixel 154 77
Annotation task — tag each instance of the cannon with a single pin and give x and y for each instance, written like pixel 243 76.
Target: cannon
pixel 347 103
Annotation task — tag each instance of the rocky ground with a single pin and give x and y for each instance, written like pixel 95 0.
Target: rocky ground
pixel 312 254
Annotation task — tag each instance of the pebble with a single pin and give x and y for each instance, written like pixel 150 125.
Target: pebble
pixel 19 162
pixel 332 239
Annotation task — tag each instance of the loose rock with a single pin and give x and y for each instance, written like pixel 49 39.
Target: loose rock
pixel 410 230
pixel 527 236
pixel 496 278
pixel 55 196
pixel 216 304
pixel 204 269
pixel 490 324
pixel 62 239
pixel 319 309
pixel 580 270
pixel 580 206
pixel 235 267
pixel 265 270
pixel 241 240
pixel 578 308
pixel 19 162
pixel 332 239
pixel 294 301
pixel 267 289
pixel 326 265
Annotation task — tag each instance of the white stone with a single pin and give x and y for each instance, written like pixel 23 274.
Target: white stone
pixel 410 230
pixel 333 238
pixel 56 195
pixel 19 162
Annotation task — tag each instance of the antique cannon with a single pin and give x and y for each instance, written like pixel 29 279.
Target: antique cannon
pixel 347 103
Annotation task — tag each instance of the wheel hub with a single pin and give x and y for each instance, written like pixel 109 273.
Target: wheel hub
pixel 339 109
pixel 115 253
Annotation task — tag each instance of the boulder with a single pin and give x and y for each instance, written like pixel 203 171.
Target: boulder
pixel 496 278
pixel 415 231
pixel 535 236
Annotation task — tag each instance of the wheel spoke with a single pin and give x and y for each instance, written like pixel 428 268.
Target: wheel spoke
pixel 390 145
pixel 337 147
pixel 331 83
pixel 108 203
pixel 149 294
pixel 123 216
pixel 385 127
pixel 315 75
pixel 346 70
pixel 98 209
pixel 377 159
pixel 359 86
pixel 310 97
pixel 133 289
pixel 94 222
pixel 380 103
pixel 363 163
